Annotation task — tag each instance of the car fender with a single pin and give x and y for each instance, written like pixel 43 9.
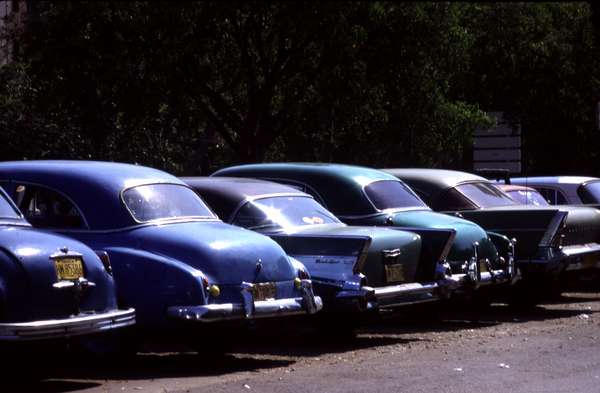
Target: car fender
pixel 154 282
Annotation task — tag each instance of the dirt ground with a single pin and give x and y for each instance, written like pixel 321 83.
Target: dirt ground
pixel 552 348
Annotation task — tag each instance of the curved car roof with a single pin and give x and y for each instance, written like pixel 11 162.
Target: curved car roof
pixel 340 185
pixel 225 194
pixel 432 181
pixel 94 186
pixel 553 179
pixel 240 188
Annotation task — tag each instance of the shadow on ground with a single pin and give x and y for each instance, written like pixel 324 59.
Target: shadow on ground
pixel 61 373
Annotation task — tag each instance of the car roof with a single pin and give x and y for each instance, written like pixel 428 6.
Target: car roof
pixel 553 180
pixel 94 186
pixel 339 185
pixel 433 181
pixel 238 189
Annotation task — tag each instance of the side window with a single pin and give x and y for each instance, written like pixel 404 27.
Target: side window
pixel 554 197
pixel 45 208
pixel 547 194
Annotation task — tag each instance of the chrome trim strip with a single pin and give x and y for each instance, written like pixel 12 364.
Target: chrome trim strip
pixel 76 325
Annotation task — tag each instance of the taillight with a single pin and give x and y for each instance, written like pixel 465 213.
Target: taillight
pixel 303 274
pixel 103 255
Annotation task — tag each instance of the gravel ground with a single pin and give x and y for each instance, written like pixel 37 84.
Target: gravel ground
pixel 552 348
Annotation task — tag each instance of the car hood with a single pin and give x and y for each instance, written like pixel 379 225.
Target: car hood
pixel 467 232
pixel 224 253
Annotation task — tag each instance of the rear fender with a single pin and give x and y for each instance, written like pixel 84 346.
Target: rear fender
pixel 531 228
pixel 151 282
pixel 435 246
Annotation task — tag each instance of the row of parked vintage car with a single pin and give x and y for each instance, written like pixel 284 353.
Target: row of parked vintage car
pixel 88 247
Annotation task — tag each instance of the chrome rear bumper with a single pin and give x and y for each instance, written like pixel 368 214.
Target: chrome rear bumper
pixel 74 326
pixel 232 311
pixel 308 303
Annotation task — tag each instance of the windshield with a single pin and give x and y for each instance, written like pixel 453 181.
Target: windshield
pixel 528 197
pixel 391 194
pixel 485 195
pixel 164 201
pixel 590 193
pixel 6 209
pixel 282 212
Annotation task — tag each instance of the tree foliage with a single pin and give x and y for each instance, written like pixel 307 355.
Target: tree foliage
pixel 192 86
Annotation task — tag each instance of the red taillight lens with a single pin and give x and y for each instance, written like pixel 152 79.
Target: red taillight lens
pixel 103 255
pixel 303 274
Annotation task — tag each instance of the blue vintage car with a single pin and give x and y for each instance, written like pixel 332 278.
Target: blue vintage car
pixel 365 196
pixel 352 268
pixel 172 258
pixel 52 286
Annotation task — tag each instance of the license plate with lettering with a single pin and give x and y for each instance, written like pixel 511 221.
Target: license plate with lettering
pixel 68 268
pixel 394 273
pixel 483 267
pixel 264 291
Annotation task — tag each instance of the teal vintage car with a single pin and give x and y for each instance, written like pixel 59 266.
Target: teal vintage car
pixel 352 268
pixel 364 196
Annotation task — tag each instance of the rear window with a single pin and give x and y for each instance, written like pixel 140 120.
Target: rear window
pixel 391 194
pixel 276 213
pixel 485 195
pixel 590 193
pixel 164 201
pixel 528 197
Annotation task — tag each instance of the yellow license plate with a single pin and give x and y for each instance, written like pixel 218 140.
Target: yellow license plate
pixel 589 261
pixel 394 273
pixel 483 267
pixel 68 268
pixel 264 291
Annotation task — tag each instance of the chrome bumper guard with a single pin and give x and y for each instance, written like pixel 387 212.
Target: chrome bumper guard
pixel 74 326
pixel 308 303
pixel 474 277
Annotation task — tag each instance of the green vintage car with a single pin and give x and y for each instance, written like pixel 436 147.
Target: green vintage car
pixel 554 242
pixel 365 196
pixel 352 268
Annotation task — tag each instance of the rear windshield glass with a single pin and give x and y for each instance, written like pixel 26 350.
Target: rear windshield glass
pixel 485 195
pixel 528 197
pixel 590 193
pixel 164 201
pixel 391 194
pixel 282 212
pixel 6 209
